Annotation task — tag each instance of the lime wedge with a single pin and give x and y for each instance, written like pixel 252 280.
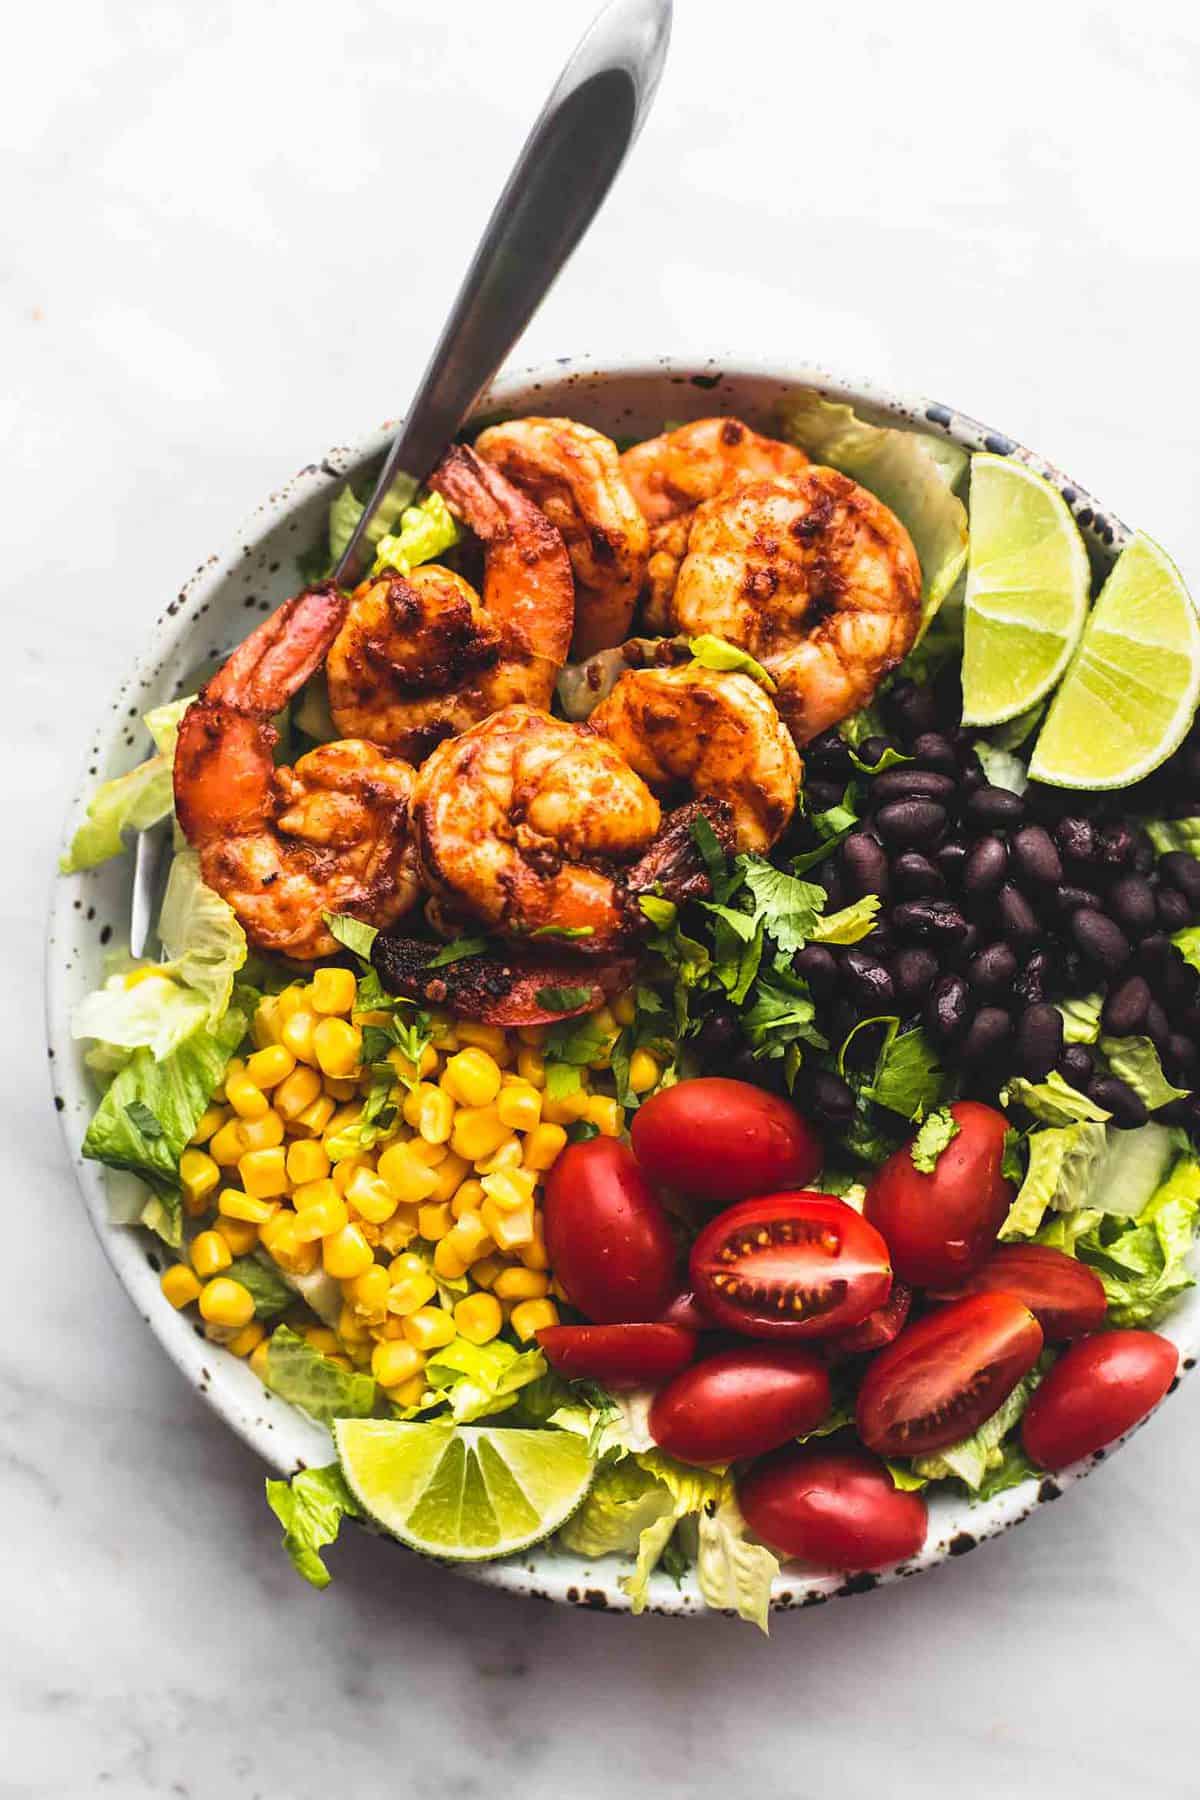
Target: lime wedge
pixel 1130 695
pixel 467 1492
pixel 1027 591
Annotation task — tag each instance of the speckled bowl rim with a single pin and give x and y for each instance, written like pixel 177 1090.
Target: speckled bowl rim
pixel 282 1437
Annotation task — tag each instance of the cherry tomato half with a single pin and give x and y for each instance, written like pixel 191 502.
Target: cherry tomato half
pixel 721 1140
pixel 939 1226
pixel 1095 1392
pixel 740 1403
pixel 835 1508
pixel 877 1329
pixel 946 1374
pixel 621 1356
pixel 608 1237
pixel 790 1266
pixel 1065 1297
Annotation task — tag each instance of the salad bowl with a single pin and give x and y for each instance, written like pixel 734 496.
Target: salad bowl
pixel 257 570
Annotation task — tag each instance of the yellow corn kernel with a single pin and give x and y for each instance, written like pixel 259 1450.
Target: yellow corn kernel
pixel 484 1037
pixel 247 1340
pixel 531 1066
pixel 410 1294
pixel 532 1316
pixel 519 1106
pixel 406 1267
pixel 355 1333
pixel 346 1253
pixel 261 1134
pixel 468 1238
pixel 239 1234
pixel 342 1120
pixel 334 991
pixel 320 1192
pixel 179 1285
pixel 198 1175
pixel 568 1109
pixel 395 1362
pixel 233 1204
pixel 624 1007
pixel 477 1132
pixel 258 1358
pixel 430 1328
pixel 306 1161
pixel 408 1393
pixel 280 1240
pixel 315 1118
pixel 603 1022
pixel 226 1302
pixel 264 1027
pixel 543 1146
pixel 367 1293
pixel 509 1189
pixel 292 1000
pixel 342 1089
pixel 644 1071
pixel 450 1173
pixel 427 1063
pixel 607 1114
pixel 521 1284
pixel 321 1339
pixel 410 1106
pixel 345 1171
pixel 264 1173
pixel 210 1120
pixel 210 1254
pixel 485 1271
pixel 269 1066
pixel 297 1035
pixel 446 1260
pixel 297 1091
pixel 508 1230
pixel 337 1046
pixel 533 1254
pixel 246 1098
pixel 399 1231
pixel 435 1114
pixel 468 1197
pixel 322 1219
pixel 226 1146
pixel 472 1077
pixel 434 1220
pixel 410 1181
pixel 478 1318
pixel 505 1156
pixel 368 1195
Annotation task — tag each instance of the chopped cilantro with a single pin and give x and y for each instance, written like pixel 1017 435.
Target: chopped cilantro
pixel 143 1120
pixel 563 931
pixel 936 1134
pixel 563 999
pixel 458 951
pixel 352 933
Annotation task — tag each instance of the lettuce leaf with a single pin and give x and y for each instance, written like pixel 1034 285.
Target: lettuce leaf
pixel 311 1507
pixel 1174 834
pixel 970 1460
pixel 691 1491
pixel 347 509
pixel 1081 1018
pixel 265 1285
pixel 733 1573
pixel 1136 1061
pixel 478 1381
pixel 1143 1263
pixel 623 1501
pixel 913 472
pixel 315 1383
pixel 849 925
pixel 1063 1161
pixel 204 944
pixel 1001 767
pixel 427 530
pixel 714 653
pixel 1054 1101
pixel 130 802
pixel 141 1010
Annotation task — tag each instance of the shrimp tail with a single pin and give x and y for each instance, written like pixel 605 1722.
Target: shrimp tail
pixel 673 865
pixel 224 774
pixel 280 655
pixel 505 990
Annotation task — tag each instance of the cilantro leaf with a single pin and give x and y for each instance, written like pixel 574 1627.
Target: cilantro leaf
pixel 563 931
pixel 562 999
pixel 908 1078
pixel 714 653
pixel 936 1134
pixel 352 933
pixel 458 951
pixel 787 906
pixel 142 1119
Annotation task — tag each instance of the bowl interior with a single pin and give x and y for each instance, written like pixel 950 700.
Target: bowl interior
pixel 213 611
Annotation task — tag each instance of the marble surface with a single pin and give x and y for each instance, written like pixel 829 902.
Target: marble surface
pixel 222 255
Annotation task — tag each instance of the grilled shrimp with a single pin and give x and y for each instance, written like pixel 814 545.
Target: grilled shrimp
pixel 284 845
pixel 420 658
pixel 526 821
pixel 718 734
pixel 669 477
pixel 574 474
pixel 816 578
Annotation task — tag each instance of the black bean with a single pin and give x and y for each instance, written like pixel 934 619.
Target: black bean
pixel 883 940
pixel 1143 858
pixel 1177 984
pixel 1154 953
pixel 1117 845
pixel 910 824
pixel 967 945
pixel 865 865
pixel 820 794
pixel 915 877
pixel 987 1034
pixel 1039 1040
pixel 1069 899
pixel 1181 1061
pixel 767 1072
pixel 911 784
pixel 720 1034
pixel 913 971
pixel 1077 1065
pixel 929 921
pixel 1126 1007
pixel 1157 1026
pixel 985 867
pixel 948 1007
pixel 1015 917
pixel 951 859
pixel 971 780
pixel 829 1098
pixel 1035 856
pixel 909 710
pixel 933 751
pixel 992 807
pixel 830 876
pixel 818 966
pixel 1183 872
pixel 1071 969
pixel 1117 1097
pixel 1184 1113
pixel 867 982
pixel 1174 912
pixel 1131 903
pixel 830 753
pixel 1077 839
pixel 871 750
pixel 1100 940
pixel 992 970
pixel 1030 985
pixel 1187 1020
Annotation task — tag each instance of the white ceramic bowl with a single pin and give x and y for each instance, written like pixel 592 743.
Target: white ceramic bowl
pixel 212 612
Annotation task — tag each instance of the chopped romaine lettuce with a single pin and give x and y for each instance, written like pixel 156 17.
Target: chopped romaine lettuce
pixel 315 1383
pixel 1054 1100
pixel 733 1573
pixel 1062 1164
pixel 346 510
pixel 265 1285
pixel 1135 1061
pixel 1001 767
pixel 1081 1018
pixel 130 802
pixel 691 1490
pixel 143 1009
pixel 970 1460
pixel 480 1380
pixel 426 530
pixel 201 937
pixel 311 1507
pixel 622 1502
pixel 1174 834
pixel 1143 1263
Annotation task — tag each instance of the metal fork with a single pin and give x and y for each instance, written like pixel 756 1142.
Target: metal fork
pixel 566 167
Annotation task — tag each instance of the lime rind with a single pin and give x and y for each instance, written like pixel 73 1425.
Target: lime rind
pixel 1027 591
pixel 465 1493
pixel 1128 699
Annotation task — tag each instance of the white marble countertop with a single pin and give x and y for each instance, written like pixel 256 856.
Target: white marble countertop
pixel 224 226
